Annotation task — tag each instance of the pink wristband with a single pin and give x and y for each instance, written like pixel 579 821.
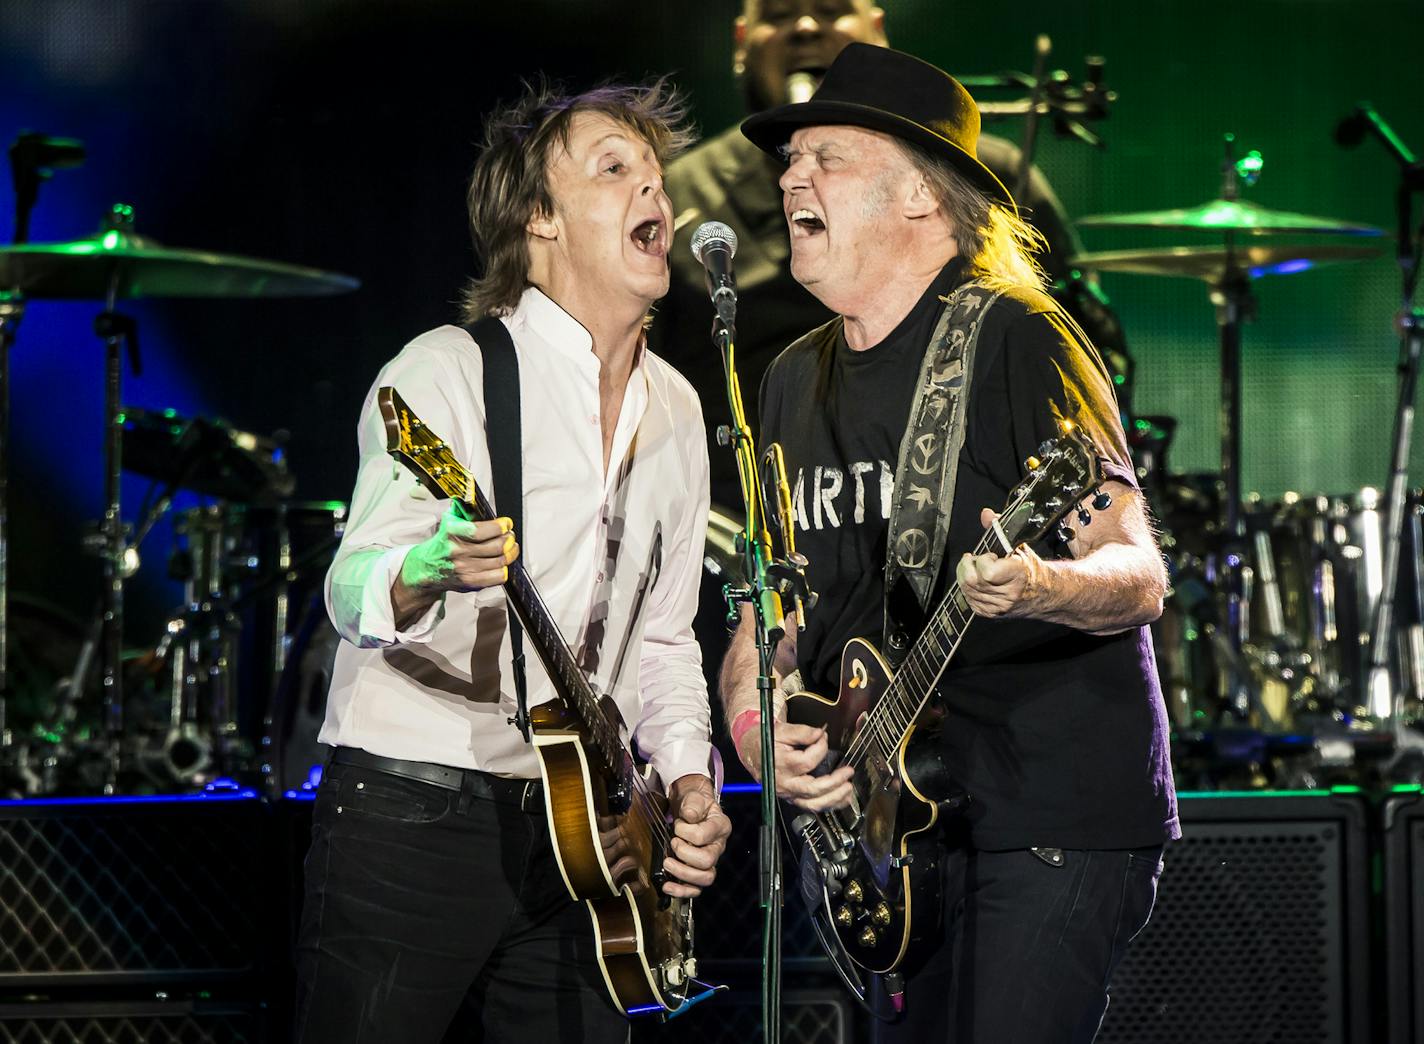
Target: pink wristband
pixel 748 719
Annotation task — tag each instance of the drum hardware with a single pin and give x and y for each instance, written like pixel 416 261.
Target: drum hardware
pixel 33 160
pixel 119 264
pixel 1230 271
pixel 1070 104
pixel 1211 264
pixel 1385 699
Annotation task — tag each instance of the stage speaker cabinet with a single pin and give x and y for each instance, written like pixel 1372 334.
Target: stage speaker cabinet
pixel 814 1016
pixel 119 1022
pixel 729 915
pixel 122 893
pixel 1261 929
pixel 1403 822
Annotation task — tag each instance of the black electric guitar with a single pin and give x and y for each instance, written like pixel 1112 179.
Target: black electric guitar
pixel 597 797
pixel 880 899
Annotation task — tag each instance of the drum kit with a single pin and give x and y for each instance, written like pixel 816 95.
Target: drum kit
pixel 80 712
pixel 1271 655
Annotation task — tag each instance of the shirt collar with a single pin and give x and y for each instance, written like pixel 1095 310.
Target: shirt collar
pixel 538 313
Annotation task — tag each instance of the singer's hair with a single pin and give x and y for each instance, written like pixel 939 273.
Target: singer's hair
pixel 1000 246
pixel 510 183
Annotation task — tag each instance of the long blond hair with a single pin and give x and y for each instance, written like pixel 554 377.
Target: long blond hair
pixel 1000 246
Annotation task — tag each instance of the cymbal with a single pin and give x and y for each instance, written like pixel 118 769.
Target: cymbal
pixel 83 269
pixel 1210 263
pixel 1229 215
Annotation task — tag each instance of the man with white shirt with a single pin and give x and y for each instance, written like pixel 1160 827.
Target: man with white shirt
pixel 433 895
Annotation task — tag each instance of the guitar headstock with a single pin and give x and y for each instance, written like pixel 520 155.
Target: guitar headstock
pixel 409 441
pixel 1063 471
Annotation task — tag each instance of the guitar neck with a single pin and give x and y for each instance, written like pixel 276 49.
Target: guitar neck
pixel 543 634
pixel 440 471
pixel 889 722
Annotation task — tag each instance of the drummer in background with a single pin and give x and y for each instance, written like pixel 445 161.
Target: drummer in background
pixel 781 48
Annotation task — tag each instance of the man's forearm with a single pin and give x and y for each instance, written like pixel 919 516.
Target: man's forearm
pixel 737 680
pixel 1115 587
pixel 408 604
pixel 412 593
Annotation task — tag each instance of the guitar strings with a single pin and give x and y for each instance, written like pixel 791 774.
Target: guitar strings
pixel 458 482
pixel 881 723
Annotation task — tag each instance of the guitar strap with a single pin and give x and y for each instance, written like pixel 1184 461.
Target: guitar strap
pixel 929 460
pixel 504 436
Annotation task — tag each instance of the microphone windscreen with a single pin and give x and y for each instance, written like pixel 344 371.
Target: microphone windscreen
pixel 710 231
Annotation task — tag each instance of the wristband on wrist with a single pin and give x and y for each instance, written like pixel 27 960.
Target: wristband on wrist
pixel 748 719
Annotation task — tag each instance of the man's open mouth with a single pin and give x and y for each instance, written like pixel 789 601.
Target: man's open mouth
pixel 648 237
pixel 807 221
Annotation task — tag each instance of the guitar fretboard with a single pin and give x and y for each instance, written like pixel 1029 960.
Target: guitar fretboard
pixel 1070 471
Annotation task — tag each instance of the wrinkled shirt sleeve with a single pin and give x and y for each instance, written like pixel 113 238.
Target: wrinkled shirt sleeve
pixel 674 729
pixel 390 511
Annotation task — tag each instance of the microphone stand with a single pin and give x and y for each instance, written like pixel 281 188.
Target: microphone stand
pixel 767 580
pixel 1381 701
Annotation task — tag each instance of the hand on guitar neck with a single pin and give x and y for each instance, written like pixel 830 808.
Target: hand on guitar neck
pixel 459 556
pixel 1115 579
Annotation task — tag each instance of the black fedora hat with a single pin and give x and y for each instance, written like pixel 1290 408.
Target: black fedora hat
pixel 896 94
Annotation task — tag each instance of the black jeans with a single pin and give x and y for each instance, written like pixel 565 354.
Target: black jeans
pixel 427 910
pixel 1027 945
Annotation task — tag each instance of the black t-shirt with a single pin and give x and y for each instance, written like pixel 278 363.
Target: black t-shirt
pixel 1059 736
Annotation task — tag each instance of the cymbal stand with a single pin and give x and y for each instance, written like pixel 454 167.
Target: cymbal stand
pixel 1042 47
pixel 118 332
pixel 12 310
pixel 1235 305
pixel 1383 699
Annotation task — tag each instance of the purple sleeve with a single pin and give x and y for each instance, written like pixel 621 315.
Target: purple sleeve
pixel 1053 375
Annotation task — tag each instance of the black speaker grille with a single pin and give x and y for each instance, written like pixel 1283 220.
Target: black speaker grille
pixel 1246 943
pixel 1404 915
pixel 729 915
pixel 807 1017
pixel 129 1029
pixel 163 892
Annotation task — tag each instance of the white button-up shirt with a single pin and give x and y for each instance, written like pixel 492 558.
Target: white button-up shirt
pixel 616 556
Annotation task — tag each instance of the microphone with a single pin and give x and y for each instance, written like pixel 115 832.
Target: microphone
pixel 714 245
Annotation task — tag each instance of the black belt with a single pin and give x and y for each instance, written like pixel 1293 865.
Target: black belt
pixel 526 794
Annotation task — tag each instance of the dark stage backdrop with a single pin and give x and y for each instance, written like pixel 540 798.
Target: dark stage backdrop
pixel 338 133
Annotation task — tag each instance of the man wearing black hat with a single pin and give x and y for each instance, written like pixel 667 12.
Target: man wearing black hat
pixel 781 49
pixel 904 420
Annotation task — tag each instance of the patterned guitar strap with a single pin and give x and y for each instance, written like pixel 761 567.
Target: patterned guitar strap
pixel 929 458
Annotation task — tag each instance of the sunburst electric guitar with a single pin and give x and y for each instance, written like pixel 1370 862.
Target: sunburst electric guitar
pixel 878 893
pixel 601 805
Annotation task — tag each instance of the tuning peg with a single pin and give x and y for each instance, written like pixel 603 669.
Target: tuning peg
pixel 1033 463
pixel 1102 501
pixel 1045 447
pixel 1084 516
pixel 1063 534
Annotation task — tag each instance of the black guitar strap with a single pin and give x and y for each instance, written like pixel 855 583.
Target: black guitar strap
pixel 505 439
